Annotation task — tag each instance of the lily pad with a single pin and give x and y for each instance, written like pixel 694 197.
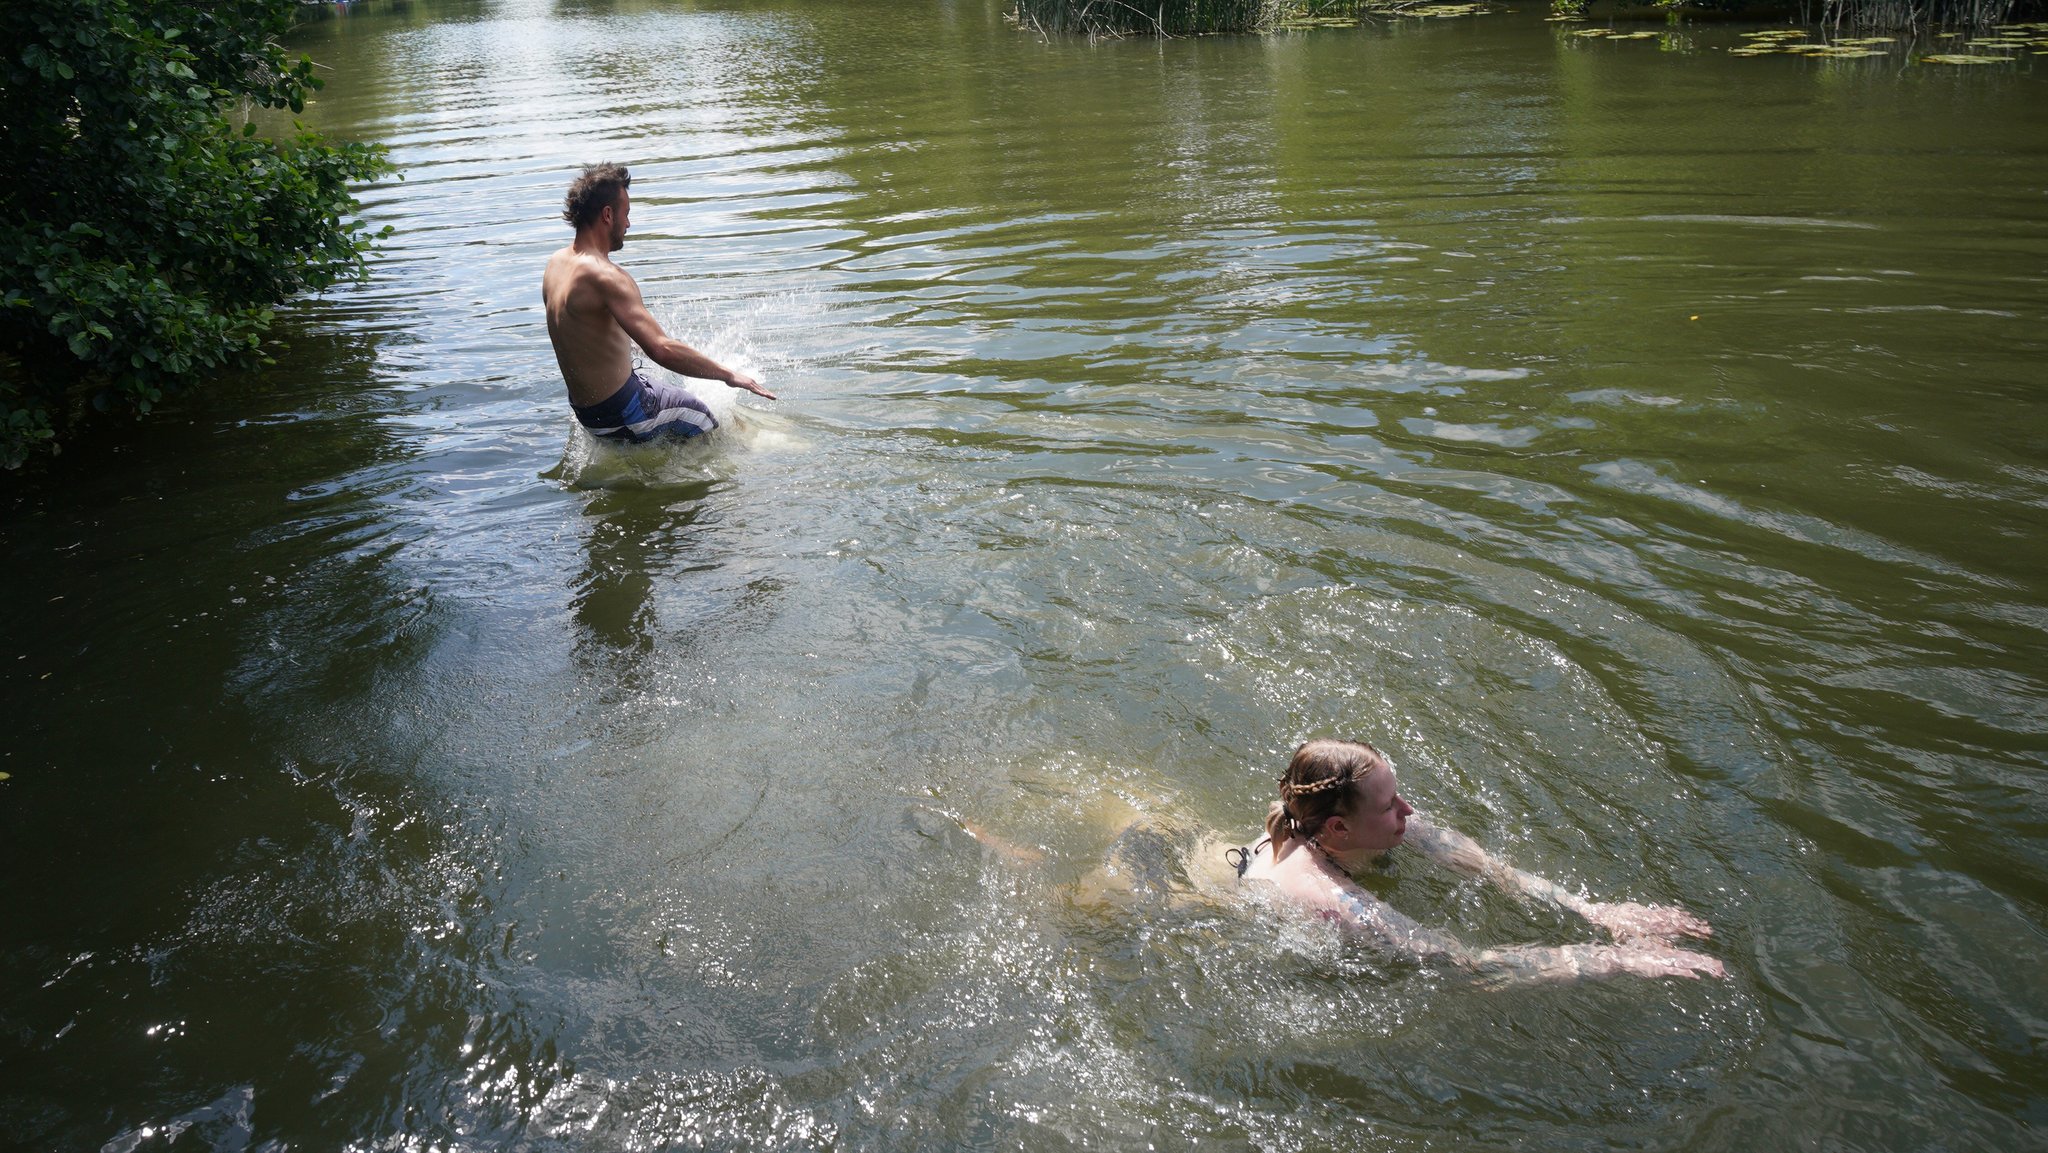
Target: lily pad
pixel 1955 58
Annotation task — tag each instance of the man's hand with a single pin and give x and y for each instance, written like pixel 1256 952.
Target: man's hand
pixel 1628 921
pixel 742 380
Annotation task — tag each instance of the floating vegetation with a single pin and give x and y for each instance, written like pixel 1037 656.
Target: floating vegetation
pixel 1116 18
pixel 1783 40
pixel 1614 34
pixel 1303 19
pixel 1988 48
pixel 1441 11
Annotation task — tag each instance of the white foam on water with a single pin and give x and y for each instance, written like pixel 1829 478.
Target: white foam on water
pixel 745 423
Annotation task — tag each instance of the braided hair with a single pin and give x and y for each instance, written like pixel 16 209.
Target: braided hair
pixel 1319 784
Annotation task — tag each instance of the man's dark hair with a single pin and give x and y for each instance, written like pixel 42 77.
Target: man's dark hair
pixel 593 192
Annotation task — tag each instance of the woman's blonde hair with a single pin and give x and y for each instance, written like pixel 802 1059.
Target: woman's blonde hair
pixel 1320 782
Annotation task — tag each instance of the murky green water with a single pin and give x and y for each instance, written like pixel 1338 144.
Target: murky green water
pixel 1646 446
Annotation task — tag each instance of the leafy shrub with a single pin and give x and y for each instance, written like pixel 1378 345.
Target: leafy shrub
pixel 144 235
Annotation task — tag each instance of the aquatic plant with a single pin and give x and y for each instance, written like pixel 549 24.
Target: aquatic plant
pixel 1905 15
pixel 1988 49
pixel 1113 18
pixel 1116 18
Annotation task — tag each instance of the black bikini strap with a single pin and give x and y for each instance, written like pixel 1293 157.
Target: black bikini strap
pixel 1243 859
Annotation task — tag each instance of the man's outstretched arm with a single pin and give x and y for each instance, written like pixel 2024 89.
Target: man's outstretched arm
pixel 1624 920
pixel 630 310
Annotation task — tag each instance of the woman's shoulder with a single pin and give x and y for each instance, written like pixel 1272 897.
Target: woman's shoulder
pixel 1294 871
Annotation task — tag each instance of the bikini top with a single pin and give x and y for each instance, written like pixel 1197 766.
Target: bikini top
pixel 1242 858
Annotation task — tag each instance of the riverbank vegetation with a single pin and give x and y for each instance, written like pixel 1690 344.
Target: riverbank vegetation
pixel 147 228
pixel 1114 18
pixel 1146 17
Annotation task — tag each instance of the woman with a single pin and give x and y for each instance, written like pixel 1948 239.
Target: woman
pixel 1339 810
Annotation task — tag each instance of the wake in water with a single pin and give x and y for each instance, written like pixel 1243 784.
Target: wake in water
pixel 588 463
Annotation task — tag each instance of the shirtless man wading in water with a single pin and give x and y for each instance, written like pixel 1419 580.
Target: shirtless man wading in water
pixel 596 315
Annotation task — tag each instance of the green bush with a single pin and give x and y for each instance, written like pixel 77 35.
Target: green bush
pixel 146 229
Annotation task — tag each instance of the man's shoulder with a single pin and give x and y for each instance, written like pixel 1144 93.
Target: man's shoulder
pixel 579 268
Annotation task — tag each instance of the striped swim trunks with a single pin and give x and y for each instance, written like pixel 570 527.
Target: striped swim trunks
pixel 642 410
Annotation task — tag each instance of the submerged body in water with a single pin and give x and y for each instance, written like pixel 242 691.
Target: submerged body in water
pixel 643 410
pixel 1339 812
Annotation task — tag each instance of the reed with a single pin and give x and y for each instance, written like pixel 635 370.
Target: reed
pixel 1905 15
pixel 1117 18
pixel 1113 18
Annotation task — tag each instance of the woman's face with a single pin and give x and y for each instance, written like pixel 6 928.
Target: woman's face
pixel 1379 817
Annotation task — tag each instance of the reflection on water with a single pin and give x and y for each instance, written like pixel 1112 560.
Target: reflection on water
pixel 1640 445
pixel 615 599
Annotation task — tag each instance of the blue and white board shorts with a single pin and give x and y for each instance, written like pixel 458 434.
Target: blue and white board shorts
pixel 643 410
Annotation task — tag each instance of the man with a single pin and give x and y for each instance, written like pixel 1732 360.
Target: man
pixel 596 315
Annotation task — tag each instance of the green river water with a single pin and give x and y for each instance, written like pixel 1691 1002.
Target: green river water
pixel 1647 447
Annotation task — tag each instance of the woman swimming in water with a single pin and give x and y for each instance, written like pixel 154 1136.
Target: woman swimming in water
pixel 1339 810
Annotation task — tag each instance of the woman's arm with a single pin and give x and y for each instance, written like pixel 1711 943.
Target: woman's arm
pixel 1624 920
pixel 1360 913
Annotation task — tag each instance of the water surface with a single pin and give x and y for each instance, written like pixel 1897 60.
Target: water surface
pixel 1644 446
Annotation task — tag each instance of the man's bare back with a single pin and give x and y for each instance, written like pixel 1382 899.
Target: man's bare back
pixel 596 314
pixel 591 346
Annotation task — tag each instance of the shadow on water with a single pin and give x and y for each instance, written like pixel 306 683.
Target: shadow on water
pixel 228 882
pixel 636 540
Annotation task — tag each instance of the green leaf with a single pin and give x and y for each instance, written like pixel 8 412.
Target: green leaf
pixel 192 229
